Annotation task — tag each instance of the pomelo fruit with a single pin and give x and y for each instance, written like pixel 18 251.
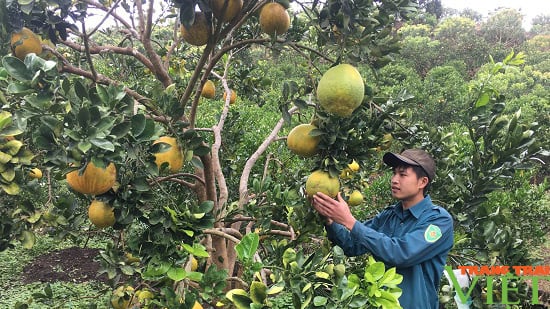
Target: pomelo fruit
pixel 341 90
pixel 321 181
pixel 300 142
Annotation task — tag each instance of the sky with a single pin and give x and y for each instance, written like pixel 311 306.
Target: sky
pixel 529 8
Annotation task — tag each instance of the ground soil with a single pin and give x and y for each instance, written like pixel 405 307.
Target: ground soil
pixel 68 265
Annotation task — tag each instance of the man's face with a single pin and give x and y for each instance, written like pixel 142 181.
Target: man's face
pixel 405 184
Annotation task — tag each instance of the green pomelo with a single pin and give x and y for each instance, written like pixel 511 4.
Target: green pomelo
pixel 341 90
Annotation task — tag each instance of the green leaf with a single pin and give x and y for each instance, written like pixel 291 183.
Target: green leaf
pixel 80 90
pixel 12 147
pixel 201 150
pixel 187 15
pixel 8 175
pixel 105 124
pixel 197 163
pixel 289 256
pixel 354 281
pixel 138 124
pixel 141 184
pixel 359 302
pixel 285 91
pixel 196 250
pixel 377 270
pixel 388 300
pixel 206 206
pixel 17 69
pixel 127 270
pixel 195 276
pixel 19 88
pixel 176 273
pixel 49 65
pixel 103 144
pixel 247 247
pixel 51 122
pixel 28 239
pixel 300 103
pixel 239 298
pixel 38 101
pixel 84 146
pixel 83 117
pixel 276 288
pixel 121 129
pixel 482 100
pixel 5 119
pixel 319 301
pixel 103 94
pixel 155 269
pixel 241 301
pixel 11 188
pixel 258 292
pixel 74 135
pixel 391 277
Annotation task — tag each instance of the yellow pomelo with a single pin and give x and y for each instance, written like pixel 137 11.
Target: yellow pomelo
pixel 130 258
pixel 101 214
pixel 35 173
pixel 321 181
pixel 199 32
pixel 121 297
pixel 300 142
pixel 95 180
pixel 233 97
pixel 25 42
pixel 346 173
pixel 386 141
pixel 233 8
pixel 194 263
pixel 173 156
pixel 353 166
pixel 197 305
pixel 340 90
pixel 274 19
pixel 144 296
pixel 355 198
pixel 208 90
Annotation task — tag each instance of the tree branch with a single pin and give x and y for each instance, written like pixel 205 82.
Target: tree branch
pixel 114 14
pixel 129 51
pixel 243 185
pixel 219 233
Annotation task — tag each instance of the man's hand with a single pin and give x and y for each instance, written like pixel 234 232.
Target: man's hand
pixel 335 210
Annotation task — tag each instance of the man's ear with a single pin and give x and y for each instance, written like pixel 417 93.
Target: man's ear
pixel 424 181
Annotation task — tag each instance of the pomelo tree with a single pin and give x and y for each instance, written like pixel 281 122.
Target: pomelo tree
pixel 75 106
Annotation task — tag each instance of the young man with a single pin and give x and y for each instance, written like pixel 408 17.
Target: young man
pixel 413 235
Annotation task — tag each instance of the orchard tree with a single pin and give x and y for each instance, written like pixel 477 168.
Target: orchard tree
pixel 540 24
pixel 462 42
pixel 112 114
pixel 503 31
pixel 504 27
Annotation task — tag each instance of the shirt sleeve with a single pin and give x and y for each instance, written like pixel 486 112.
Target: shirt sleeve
pixel 339 235
pixel 412 248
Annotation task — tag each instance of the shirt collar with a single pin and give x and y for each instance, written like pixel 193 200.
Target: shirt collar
pixel 417 209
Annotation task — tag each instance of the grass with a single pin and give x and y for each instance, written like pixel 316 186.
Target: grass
pixel 14 293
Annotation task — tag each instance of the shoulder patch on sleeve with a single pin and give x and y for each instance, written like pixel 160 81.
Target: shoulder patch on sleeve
pixel 432 233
